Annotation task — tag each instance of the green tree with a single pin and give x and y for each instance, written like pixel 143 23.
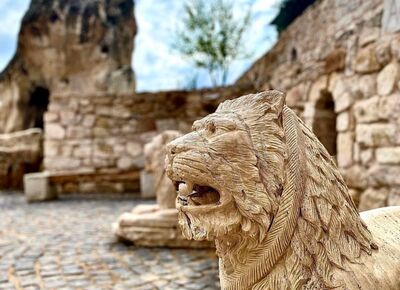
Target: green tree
pixel 211 36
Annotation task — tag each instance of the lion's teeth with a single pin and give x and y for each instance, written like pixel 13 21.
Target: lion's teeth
pixel 185 188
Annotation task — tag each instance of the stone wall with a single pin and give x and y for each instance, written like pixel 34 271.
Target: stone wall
pixel 339 63
pixel 20 153
pixel 104 134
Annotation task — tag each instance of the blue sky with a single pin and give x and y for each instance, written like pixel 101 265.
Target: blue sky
pixel 156 65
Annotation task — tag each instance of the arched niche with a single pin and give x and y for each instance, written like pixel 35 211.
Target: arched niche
pixel 324 121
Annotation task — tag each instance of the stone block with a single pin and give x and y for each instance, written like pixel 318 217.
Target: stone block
pixel 69 118
pixel 389 106
pixel 388 155
pixel 355 196
pixel 356 177
pixel 134 148
pixel 335 61
pixel 54 131
pixel 366 111
pixel 318 88
pixel 375 135
pixel 103 150
pixel 87 187
pixel 344 122
pixel 88 120
pixel 366 60
pixel 147 185
pixel 77 132
pixel 384 175
pixel 345 149
pixel 368 35
pixel 166 124
pixel 387 79
pixel 99 132
pixel 138 162
pixel 383 54
pixel 50 117
pixel 51 148
pixel 100 162
pixel 125 163
pixel 366 84
pixel 344 102
pixel 373 198
pixel 366 156
pixel 83 151
pixel 38 188
pixel 120 112
pixel 62 163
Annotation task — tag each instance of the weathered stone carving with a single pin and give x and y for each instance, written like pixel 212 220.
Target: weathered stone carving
pixel 153 177
pixel 156 224
pixel 253 177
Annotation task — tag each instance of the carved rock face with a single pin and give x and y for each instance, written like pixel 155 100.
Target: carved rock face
pixel 64 46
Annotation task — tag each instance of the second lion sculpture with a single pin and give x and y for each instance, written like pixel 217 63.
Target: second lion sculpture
pixel 255 179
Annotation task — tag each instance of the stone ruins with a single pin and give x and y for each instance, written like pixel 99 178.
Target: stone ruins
pixel 254 178
pixel 338 63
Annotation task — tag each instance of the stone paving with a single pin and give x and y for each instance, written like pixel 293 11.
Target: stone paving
pixel 68 244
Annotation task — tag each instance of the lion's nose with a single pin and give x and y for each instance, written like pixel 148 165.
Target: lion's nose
pixel 174 148
pixel 171 150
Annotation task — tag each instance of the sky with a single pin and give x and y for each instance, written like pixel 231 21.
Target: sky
pixel 157 66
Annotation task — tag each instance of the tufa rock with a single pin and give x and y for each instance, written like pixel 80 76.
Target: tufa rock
pixel 82 46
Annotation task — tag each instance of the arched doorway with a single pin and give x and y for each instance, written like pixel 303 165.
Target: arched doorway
pixel 37 105
pixel 324 123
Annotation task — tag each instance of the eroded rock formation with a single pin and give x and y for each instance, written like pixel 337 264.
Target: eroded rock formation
pixel 82 46
pixel 253 177
pixel 20 153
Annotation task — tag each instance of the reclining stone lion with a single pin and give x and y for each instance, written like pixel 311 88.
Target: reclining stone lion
pixel 256 180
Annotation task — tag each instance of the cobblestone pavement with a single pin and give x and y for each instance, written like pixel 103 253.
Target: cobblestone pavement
pixel 68 244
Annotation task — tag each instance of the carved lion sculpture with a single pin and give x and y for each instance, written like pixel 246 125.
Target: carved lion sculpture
pixel 255 179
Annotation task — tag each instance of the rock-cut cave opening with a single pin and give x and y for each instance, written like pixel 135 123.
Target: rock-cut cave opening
pixel 37 106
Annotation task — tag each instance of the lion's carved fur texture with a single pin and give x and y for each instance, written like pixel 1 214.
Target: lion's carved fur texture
pixel 284 219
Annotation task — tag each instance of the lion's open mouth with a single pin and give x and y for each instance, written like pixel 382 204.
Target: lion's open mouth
pixel 194 194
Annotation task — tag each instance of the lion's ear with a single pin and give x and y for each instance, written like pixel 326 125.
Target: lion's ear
pixel 275 99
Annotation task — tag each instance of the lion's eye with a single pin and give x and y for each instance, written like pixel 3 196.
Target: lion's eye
pixel 211 128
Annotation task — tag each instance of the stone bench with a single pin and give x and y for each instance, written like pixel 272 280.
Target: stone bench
pixel 42 186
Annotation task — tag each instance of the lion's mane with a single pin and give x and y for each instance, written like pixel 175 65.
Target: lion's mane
pixel 328 232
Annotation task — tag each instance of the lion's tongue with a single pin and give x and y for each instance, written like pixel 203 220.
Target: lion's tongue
pixel 185 188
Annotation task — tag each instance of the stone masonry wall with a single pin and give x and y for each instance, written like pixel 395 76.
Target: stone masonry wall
pixel 105 133
pixel 339 64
